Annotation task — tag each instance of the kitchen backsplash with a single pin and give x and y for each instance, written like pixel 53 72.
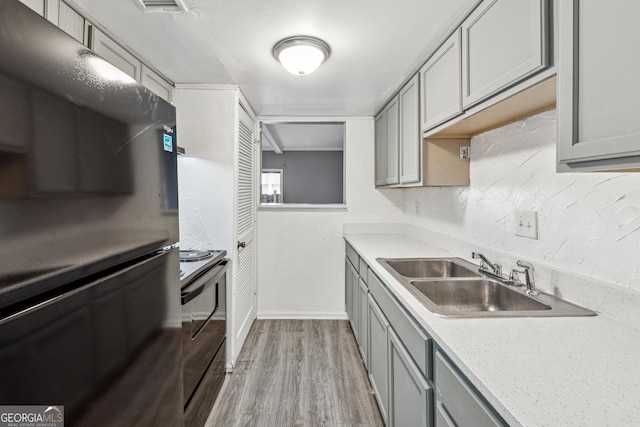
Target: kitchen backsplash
pixel 191 187
pixel 588 224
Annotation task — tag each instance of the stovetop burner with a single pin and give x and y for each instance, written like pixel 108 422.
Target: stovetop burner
pixel 195 255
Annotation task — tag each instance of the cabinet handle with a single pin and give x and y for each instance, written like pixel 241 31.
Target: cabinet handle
pixel 242 244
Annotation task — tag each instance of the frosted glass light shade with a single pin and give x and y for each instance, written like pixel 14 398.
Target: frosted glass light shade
pixel 301 55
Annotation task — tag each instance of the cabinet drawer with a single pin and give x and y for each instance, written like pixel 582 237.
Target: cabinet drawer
pixel 461 402
pixel 416 342
pixel 363 270
pixel 353 257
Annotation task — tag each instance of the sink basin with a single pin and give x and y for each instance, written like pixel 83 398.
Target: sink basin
pixel 452 287
pixel 429 267
pixel 475 295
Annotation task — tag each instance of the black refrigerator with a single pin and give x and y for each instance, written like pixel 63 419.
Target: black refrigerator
pixel 90 318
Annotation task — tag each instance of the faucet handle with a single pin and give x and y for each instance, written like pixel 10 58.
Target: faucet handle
pixel 514 277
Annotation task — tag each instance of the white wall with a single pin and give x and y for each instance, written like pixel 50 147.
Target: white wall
pixel 205 174
pixel 301 252
pixel 589 224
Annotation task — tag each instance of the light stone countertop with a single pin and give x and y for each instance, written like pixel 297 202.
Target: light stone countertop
pixel 563 371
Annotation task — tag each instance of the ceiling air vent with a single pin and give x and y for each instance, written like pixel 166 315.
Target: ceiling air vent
pixel 161 5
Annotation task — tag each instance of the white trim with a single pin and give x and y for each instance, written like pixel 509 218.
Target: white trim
pixel 301 207
pixel 205 86
pixel 321 315
pixel 311 119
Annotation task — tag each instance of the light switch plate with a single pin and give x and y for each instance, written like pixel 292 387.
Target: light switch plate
pixel 526 223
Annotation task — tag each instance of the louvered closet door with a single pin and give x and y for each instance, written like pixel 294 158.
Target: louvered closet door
pixel 244 292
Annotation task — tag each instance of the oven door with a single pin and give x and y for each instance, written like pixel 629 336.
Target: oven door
pixel 203 324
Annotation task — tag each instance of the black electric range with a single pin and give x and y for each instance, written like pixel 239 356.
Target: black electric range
pixel 196 261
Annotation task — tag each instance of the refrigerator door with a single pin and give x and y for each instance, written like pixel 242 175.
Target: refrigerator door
pixel 109 351
pixel 88 176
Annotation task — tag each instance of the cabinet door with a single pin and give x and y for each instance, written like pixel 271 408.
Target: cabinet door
pixel 410 137
pixel 156 84
pixel 410 397
pixel 381 148
pixel 441 84
pixel 348 276
pixel 378 356
pixel 36 5
pixel 392 114
pixel 363 323
pixel 71 22
pixel 503 41
pixel 598 84
pixel 115 54
pixel 353 290
pixel 441 417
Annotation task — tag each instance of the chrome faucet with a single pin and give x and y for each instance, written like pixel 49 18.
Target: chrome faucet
pixel 528 276
pixel 485 263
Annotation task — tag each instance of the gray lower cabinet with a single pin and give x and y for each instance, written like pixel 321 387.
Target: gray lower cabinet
pixel 458 404
pixel 378 356
pixel 348 288
pixel 442 419
pixel 352 290
pixel 598 86
pixel 410 396
pixel 414 383
pixel 363 320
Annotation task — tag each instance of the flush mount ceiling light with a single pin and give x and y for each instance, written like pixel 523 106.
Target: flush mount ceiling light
pixel 301 55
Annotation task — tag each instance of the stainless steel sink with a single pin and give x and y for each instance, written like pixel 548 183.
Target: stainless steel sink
pixel 430 267
pixel 475 295
pixel 450 287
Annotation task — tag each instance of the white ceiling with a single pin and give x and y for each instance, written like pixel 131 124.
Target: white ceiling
pixel 303 137
pixel 376 45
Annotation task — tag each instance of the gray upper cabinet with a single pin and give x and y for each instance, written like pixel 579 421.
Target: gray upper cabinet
pixel 392 114
pixel 115 54
pixel 410 140
pixel 386 144
pixel 381 148
pixel 441 84
pixel 71 22
pixel 503 42
pixel 598 86
pixel 37 6
pixel 154 82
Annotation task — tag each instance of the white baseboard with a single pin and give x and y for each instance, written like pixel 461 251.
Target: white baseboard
pixel 325 315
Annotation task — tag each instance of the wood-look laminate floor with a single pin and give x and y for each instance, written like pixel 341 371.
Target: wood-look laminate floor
pixel 297 373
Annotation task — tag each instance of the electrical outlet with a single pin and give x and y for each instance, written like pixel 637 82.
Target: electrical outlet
pixel 526 223
pixel 464 153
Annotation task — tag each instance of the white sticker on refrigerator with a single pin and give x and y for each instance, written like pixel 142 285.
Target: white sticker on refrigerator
pixel 168 143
